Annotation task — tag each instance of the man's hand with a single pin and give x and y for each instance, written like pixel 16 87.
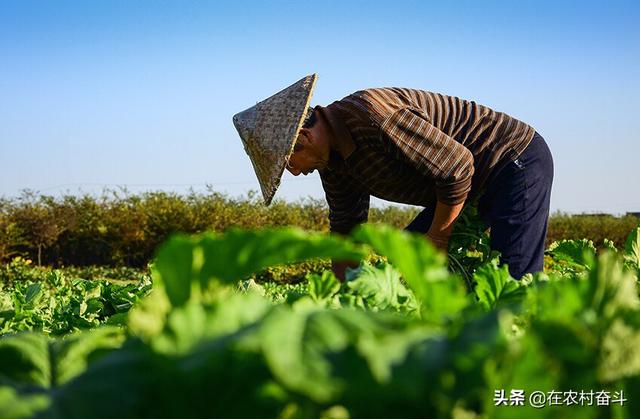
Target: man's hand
pixel 440 241
pixel 339 268
pixel 442 224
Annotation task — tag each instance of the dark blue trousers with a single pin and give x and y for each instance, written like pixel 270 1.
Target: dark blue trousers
pixel 515 205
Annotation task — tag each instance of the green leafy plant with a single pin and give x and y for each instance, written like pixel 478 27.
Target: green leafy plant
pixel 402 338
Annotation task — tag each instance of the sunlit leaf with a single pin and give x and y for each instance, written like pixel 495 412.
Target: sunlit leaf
pixel 576 252
pixel 632 251
pixel 423 267
pixel 323 287
pixel 495 285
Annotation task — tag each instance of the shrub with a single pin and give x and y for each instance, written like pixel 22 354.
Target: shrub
pixel 118 228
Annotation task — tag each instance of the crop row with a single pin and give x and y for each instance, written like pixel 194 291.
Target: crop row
pixel 402 338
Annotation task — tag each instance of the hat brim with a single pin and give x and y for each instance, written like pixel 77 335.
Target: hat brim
pixel 269 131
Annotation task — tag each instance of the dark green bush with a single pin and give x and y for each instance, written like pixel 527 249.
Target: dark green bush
pixel 594 227
pixel 117 228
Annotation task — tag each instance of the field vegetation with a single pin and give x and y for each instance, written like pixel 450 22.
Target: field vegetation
pixel 106 312
pixel 122 229
pixel 404 336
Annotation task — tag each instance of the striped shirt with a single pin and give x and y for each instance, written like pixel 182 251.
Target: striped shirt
pixel 413 147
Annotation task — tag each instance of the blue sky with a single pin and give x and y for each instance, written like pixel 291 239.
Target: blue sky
pixel 141 93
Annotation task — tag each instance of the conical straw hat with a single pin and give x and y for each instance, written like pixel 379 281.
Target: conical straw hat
pixel 269 130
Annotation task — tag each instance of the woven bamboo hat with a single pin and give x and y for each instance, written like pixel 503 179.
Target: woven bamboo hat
pixel 269 130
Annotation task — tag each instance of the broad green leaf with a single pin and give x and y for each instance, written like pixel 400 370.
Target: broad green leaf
pixel 600 294
pixel 149 380
pixel 184 328
pixel 632 251
pixel 386 348
pixel 176 330
pixel 222 378
pixel 575 252
pixel 620 351
pixel 215 379
pixel 589 325
pixel 419 372
pixel 21 406
pixel 557 299
pixel 323 287
pixel 35 359
pixel 148 318
pixel 94 306
pixel 422 266
pixel 381 288
pixel 174 268
pixel 612 289
pixel 297 358
pixel 25 359
pixel 193 323
pixel 468 351
pixel 187 265
pixel 33 294
pixel 324 353
pixel 495 285
pixel 234 312
pixel 568 341
pixel 239 253
pixel 526 366
pixel 75 352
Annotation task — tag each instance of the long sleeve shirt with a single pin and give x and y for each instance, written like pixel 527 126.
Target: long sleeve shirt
pixel 413 147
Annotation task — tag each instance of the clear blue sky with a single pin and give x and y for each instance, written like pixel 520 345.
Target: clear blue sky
pixel 141 93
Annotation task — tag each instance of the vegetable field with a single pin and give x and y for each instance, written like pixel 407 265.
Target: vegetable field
pixel 411 333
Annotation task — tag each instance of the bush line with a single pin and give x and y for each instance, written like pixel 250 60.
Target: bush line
pixel 118 228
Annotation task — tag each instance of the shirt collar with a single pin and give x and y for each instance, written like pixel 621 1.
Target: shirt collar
pixel 338 129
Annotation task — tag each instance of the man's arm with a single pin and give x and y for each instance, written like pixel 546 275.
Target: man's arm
pixel 339 268
pixel 348 207
pixel 348 204
pixel 432 152
pixel 442 224
pixel 439 157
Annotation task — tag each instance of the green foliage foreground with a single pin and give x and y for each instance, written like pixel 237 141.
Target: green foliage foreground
pixel 398 339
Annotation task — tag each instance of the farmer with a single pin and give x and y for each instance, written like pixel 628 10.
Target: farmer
pixel 412 147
